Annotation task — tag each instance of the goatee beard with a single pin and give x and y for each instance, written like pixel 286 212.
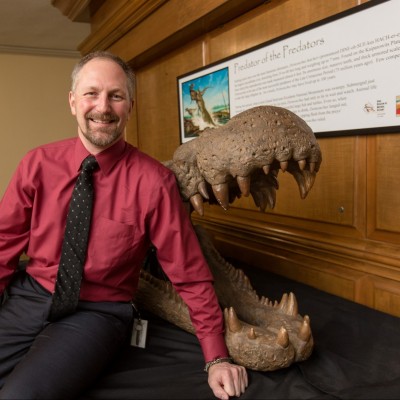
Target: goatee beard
pixel 102 136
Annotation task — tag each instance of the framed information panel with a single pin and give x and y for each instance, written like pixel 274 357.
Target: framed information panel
pixel 341 75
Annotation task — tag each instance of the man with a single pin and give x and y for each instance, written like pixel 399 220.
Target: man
pixel 136 203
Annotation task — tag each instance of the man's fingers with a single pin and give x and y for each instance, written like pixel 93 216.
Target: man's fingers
pixel 238 380
pixel 227 380
pixel 244 379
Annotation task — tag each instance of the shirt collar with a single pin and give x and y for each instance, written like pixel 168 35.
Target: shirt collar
pixel 106 159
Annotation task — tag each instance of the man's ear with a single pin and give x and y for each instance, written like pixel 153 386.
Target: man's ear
pixel 71 98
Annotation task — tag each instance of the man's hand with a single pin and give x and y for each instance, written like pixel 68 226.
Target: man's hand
pixel 227 379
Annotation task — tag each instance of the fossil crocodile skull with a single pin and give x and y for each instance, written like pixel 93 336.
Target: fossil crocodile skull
pixel 243 158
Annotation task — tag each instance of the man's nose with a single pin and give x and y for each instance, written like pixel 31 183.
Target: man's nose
pixel 103 103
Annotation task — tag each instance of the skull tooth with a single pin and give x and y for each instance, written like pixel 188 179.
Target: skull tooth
pixel 312 166
pixel 282 338
pixel 305 180
pixel 247 281
pixel 197 202
pixel 271 198
pixel 234 324
pixel 266 169
pixel 244 185
pixel 221 193
pixel 305 330
pixel 252 334
pixel 294 310
pixel 311 180
pixel 262 203
pixel 302 164
pixel 303 189
pixel 275 182
pixel 240 278
pixel 288 304
pixel 284 165
pixel 265 301
pixel 283 302
pixel 202 188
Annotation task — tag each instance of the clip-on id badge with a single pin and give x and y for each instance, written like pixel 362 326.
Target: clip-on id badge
pixel 139 331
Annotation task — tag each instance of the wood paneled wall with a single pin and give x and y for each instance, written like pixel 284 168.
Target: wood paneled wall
pixel 344 237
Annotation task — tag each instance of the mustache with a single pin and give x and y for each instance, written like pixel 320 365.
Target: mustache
pixel 106 117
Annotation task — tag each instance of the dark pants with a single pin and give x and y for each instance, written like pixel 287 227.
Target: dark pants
pixel 57 360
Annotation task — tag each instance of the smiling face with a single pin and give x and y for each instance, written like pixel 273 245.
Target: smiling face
pixel 101 104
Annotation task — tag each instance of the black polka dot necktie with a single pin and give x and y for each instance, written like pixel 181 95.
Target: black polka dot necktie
pixel 73 251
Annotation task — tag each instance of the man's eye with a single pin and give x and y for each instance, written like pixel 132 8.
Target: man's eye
pixel 116 97
pixel 90 94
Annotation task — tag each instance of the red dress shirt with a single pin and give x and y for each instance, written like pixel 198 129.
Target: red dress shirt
pixel 136 203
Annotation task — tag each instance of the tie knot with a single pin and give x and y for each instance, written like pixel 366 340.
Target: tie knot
pixel 89 164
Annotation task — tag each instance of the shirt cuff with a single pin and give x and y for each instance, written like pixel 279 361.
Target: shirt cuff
pixel 214 347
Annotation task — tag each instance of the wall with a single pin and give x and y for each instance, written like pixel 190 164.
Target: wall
pixel 34 104
pixel 344 238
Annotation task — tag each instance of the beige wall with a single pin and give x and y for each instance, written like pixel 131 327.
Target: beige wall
pixel 34 106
